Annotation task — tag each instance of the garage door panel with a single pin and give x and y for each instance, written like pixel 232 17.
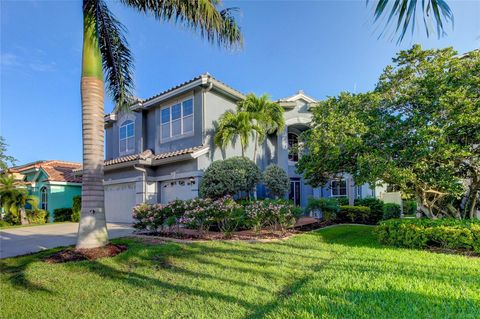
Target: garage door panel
pixel 182 189
pixel 119 202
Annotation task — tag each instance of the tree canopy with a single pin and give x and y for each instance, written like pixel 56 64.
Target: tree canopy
pixel 418 129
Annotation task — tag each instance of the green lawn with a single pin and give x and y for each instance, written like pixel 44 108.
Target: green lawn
pixel 339 272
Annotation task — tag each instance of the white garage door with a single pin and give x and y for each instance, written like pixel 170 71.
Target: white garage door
pixel 178 189
pixel 119 201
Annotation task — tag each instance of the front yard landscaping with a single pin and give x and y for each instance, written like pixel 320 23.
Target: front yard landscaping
pixel 338 272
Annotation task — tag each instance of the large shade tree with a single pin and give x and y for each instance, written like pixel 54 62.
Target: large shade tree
pixel 419 130
pixel 106 55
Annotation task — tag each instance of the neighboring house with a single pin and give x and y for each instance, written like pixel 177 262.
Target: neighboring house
pixel 53 182
pixel 159 151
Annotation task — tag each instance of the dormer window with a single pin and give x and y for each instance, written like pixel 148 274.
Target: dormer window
pixel 177 120
pixel 127 137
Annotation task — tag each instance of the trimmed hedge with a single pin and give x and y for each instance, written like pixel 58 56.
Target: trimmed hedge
pixel 376 208
pixel 445 233
pixel 36 216
pixel 328 206
pixel 391 210
pixel 409 207
pixel 76 208
pixel 62 215
pixel 353 214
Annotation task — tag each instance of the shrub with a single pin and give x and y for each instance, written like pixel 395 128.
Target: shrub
pixel 62 215
pixel 342 200
pixel 276 180
pixel 233 176
pixel 391 210
pixel 76 208
pixel 4 223
pixel 148 217
pixel 376 208
pixel 353 214
pixel 36 216
pixel 409 207
pixel 279 214
pixel 328 206
pixel 422 233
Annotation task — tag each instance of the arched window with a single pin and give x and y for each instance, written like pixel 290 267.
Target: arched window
pixel 44 198
pixel 293 147
pixel 127 137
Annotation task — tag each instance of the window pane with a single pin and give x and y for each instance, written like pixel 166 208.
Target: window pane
pixel 176 112
pixel 166 130
pixel 123 132
pixel 130 144
pixel 188 124
pixel 187 107
pixel 166 115
pixel 123 146
pixel 176 128
pixel 130 128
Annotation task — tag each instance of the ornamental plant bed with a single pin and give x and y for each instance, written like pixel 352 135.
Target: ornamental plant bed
pixel 71 254
pixel 303 225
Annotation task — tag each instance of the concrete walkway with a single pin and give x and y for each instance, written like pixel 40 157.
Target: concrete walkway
pixel 24 240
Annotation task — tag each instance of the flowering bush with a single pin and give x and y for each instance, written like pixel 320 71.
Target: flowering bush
pixel 278 214
pixel 149 217
pixel 224 213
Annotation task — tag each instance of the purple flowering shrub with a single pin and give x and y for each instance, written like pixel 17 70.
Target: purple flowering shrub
pixel 149 217
pixel 277 214
pixel 224 214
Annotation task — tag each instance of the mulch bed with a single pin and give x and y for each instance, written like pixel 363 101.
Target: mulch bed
pixel 463 252
pixel 72 254
pixel 305 224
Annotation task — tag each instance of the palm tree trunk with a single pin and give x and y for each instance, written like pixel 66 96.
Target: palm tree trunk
pixel 92 230
pixel 23 216
pixel 255 148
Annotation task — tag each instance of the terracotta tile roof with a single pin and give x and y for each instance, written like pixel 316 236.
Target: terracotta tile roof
pixel 148 154
pixel 57 171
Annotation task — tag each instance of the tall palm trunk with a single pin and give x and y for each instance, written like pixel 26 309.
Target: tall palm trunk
pixel 23 216
pixel 92 230
pixel 255 148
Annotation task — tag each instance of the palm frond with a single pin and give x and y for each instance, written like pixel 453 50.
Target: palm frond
pixel 117 60
pixel 405 12
pixel 203 16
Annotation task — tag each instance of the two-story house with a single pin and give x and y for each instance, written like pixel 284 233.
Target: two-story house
pixel 158 152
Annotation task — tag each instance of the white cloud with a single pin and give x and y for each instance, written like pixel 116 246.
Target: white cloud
pixel 32 63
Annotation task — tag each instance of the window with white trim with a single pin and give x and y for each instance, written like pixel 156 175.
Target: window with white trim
pixel 44 198
pixel 177 120
pixel 127 137
pixel 339 187
pixel 292 147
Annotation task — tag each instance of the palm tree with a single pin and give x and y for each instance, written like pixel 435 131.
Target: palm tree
pixel 14 197
pixel 405 12
pixel 265 114
pixel 232 125
pixel 106 52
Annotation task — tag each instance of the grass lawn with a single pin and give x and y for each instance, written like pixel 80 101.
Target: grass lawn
pixel 340 272
pixel 30 225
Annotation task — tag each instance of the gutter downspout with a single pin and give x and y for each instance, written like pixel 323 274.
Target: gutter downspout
pixel 144 177
pixel 206 90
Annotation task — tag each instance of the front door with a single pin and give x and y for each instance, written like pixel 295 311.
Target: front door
pixel 295 191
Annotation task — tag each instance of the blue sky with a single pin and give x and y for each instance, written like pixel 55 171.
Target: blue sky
pixel 322 47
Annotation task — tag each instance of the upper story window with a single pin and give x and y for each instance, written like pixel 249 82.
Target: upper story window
pixel 177 120
pixel 339 187
pixel 127 137
pixel 292 147
pixel 44 198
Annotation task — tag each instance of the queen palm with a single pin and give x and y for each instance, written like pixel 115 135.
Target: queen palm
pixel 267 115
pixel 233 125
pixel 106 53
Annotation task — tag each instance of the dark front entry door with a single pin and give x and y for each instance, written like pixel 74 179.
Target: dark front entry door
pixel 295 191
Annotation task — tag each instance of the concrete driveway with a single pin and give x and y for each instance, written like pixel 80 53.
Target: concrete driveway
pixel 24 240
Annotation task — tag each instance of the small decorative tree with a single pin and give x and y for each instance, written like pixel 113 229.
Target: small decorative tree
pixel 233 176
pixel 276 180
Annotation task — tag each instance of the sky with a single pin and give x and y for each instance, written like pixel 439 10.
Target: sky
pixel 321 47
